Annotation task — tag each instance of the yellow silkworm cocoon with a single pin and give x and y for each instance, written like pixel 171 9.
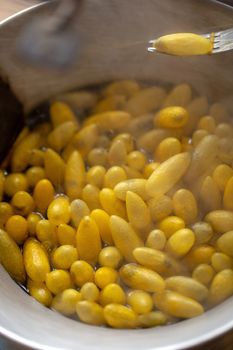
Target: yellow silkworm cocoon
pixel 183 44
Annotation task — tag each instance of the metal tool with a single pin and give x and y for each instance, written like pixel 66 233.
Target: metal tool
pixel 50 41
pixel 222 41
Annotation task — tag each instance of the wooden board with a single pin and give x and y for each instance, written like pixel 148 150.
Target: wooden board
pixel 9 7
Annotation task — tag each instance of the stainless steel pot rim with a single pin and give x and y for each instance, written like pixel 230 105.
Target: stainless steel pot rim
pixel 44 4
pixel 17 14
pixel 180 346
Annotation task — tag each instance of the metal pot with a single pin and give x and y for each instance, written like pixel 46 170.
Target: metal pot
pixel 105 28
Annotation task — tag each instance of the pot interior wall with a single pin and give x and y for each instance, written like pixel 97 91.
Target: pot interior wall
pixel 113 45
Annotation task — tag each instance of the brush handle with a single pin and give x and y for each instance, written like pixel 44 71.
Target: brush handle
pixel 65 14
pixel 227 2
